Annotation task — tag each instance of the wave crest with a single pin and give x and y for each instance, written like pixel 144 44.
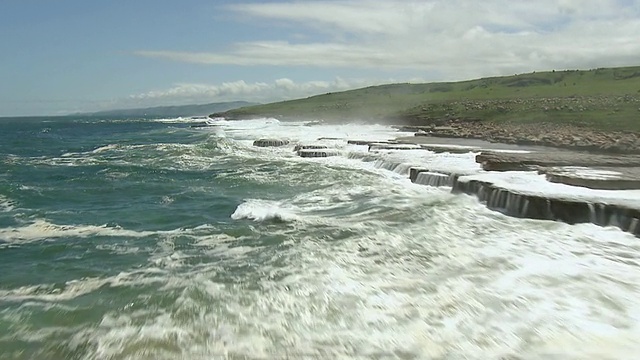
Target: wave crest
pixel 6 204
pixel 264 210
pixel 41 229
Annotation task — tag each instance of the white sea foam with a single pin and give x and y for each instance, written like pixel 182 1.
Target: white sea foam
pixel 297 132
pixel 451 291
pixel 445 162
pixel 6 204
pixel 262 210
pixel 112 148
pixel 105 148
pixel 167 156
pixel 587 173
pixel 76 288
pixel 532 183
pixel 497 287
pixel 369 266
pixel 180 119
pixel 41 229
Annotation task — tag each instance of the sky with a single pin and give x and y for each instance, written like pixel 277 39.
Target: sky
pixel 65 56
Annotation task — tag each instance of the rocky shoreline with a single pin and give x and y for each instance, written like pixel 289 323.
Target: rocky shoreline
pixel 540 134
pixel 532 205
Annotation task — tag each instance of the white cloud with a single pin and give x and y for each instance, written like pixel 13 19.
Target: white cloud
pixel 280 89
pixel 458 38
pixel 380 17
pixel 282 53
pixel 228 89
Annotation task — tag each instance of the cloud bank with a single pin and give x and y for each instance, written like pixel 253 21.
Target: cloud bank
pixel 280 89
pixel 458 39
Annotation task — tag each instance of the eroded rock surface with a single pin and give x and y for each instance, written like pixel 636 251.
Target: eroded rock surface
pixel 270 142
pixel 543 134
pixel 494 161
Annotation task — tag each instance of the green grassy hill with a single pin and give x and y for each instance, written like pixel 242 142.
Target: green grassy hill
pixel 607 98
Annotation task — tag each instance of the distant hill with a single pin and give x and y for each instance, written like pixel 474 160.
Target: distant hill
pixel 603 98
pixel 174 111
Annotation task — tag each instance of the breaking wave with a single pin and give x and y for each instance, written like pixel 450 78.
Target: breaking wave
pixel 262 210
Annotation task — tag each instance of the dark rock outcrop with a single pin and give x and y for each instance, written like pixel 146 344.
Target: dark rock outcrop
pixel 514 203
pixel 359 142
pixel 388 146
pixel 449 149
pixel 543 208
pixel 270 142
pixel 309 146
pixel 316 153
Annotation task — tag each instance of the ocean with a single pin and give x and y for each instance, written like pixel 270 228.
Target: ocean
pixel 152 239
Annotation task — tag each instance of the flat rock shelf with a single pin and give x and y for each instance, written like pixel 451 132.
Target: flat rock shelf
pixel 606 178
pixel 510 193
pixel 502 161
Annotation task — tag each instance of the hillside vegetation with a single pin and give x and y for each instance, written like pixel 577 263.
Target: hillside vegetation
pixel 605 98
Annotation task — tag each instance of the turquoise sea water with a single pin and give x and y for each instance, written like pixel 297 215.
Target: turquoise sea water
pixel 150 239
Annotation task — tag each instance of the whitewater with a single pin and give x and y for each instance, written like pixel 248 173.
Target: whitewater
pixel 152 239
